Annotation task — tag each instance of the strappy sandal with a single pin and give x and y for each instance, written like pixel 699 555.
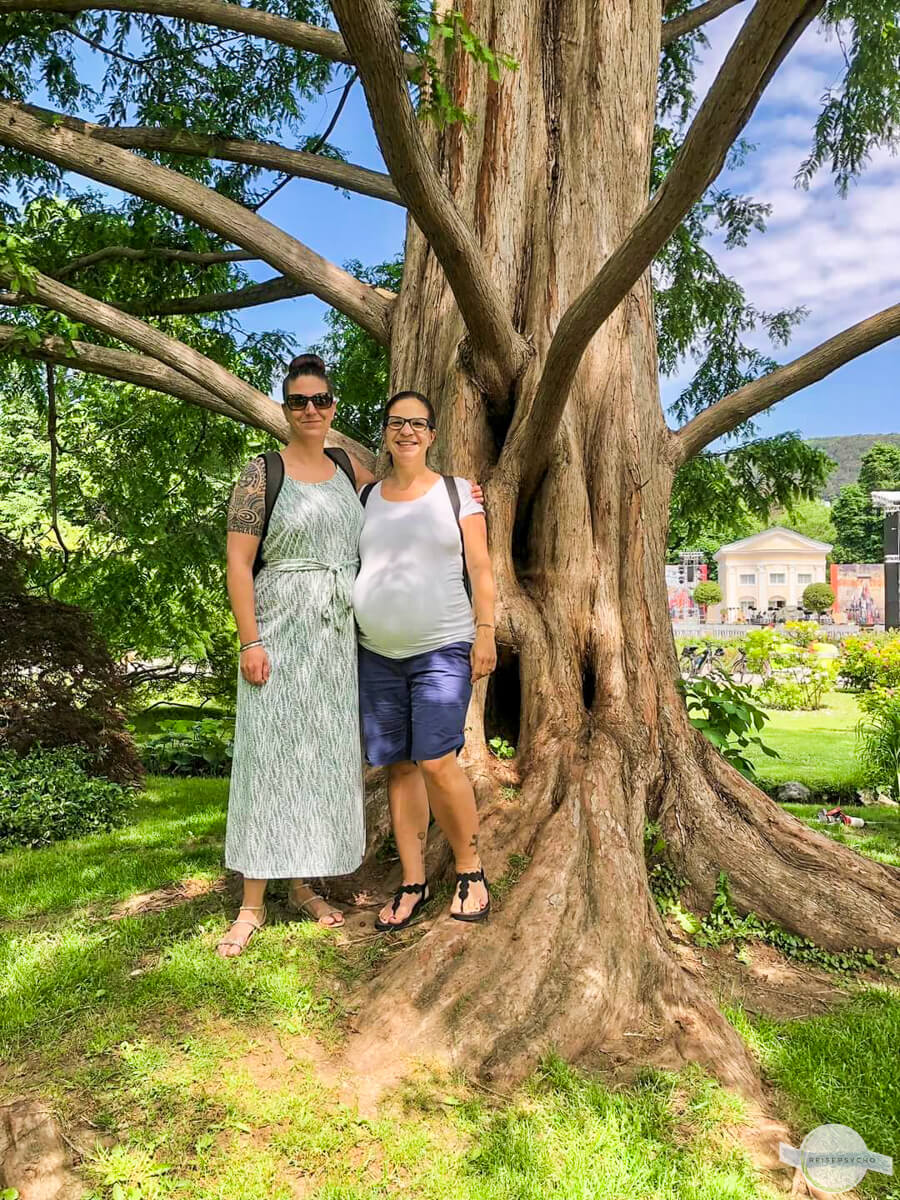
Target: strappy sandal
pixel 302 907
pixel 407 889
pixel 463 879
pixel 254 925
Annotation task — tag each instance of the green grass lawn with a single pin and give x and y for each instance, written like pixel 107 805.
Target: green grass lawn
pixel 201 1068
pixel 816 748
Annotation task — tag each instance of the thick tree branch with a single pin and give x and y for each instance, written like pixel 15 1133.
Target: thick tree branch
pixel 767 35
pixel 175 354
pixel 677 27
pixel 121 169
pixel 246 297
pixel 205 258
pixel 753 398
pixel 130 368
pixel 300 163
pixel 372 36
pixel 149 373
pixel 311 39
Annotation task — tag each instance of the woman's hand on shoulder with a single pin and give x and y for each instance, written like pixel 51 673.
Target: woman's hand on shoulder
pixel 483 656
pixel 255 665
pixel 477 493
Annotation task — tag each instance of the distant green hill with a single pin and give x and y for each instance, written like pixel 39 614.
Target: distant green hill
pixel 848 453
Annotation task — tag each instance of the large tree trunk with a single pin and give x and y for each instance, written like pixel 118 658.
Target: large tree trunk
pixel 551 174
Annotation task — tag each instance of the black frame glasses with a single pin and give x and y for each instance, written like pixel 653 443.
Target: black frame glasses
pixel 297 403
pixel 419 424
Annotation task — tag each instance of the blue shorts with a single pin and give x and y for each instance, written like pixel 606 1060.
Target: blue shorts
pixel 414 708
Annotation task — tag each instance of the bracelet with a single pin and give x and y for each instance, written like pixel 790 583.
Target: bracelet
pixel 250 645
pixel 484 625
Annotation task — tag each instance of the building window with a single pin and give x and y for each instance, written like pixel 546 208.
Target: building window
pixel 804 579
pixel 777 577
pixel 747 578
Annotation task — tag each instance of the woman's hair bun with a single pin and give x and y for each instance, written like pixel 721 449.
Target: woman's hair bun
pixel 306 360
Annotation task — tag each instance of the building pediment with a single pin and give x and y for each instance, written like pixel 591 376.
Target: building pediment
pixel 773 540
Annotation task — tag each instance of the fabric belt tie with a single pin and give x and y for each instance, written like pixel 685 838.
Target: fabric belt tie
pixel 338 606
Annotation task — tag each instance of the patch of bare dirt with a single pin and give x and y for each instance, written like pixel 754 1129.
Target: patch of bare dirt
pixel 166 897
pixel 766 984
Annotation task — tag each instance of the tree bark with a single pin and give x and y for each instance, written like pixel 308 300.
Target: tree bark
pixel 576 957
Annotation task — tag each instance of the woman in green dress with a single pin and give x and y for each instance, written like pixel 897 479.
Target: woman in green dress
pixel 295 807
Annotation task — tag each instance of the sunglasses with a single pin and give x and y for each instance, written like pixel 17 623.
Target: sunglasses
pixel 419 424
pixel 297 403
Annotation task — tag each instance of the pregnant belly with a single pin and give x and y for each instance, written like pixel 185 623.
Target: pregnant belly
pixel 393 611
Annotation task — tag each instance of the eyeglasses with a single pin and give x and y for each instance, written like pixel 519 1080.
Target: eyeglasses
pixel 298 403
pixel 419 424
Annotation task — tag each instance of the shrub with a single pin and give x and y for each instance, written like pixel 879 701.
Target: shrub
pixel 783 694
pixel 817 597
pixel 761 645
pixel 868 662
pixel 726 713
pixel 49 795
pixel 802 633
pixel 59 686
pixel 707 592
pixel 190 747
pixel 797 676
pixel 878 738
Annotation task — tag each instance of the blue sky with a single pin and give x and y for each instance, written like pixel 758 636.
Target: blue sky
pixel 840 257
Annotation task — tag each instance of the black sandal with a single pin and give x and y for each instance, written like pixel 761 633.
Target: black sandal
pixel 405 889
pixel 462 882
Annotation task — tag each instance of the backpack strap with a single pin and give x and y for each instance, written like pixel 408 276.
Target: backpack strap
pixel 274 466
pixel 453 493
pixel 341 458
pixel 364 494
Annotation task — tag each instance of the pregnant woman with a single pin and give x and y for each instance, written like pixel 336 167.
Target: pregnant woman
pixel 421 651
pixel 295 807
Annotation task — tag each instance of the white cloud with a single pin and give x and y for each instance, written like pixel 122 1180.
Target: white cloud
pixel 838 256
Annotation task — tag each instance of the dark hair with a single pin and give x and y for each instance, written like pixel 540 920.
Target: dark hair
pixel 305 364
pixel 429 407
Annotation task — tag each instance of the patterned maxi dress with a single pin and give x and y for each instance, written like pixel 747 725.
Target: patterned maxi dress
pixel 295 807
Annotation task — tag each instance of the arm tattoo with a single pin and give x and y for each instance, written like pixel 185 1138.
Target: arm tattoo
pixel 247 509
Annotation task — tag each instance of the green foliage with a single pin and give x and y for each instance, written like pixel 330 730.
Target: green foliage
pixel 869 662
pixel 142 490
pixel 859 527
pixel 707 592
pixel 847 452
pixel 796 675
pixel 203 747
pixel 878 734
pixel 818 597
pixel 720 497
pixel 501 748
pixel 358 365
pixel 858 523
pixel 724 924
pixel 48 795
pixel 430 36
pixel 803 633
pixel 665 883
pixel 160 72
pixel 862 112
pixel 726 713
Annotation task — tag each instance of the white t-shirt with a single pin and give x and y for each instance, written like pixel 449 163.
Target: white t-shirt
pixel 409 596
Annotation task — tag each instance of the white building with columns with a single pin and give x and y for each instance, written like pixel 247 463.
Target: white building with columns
pixel 769 570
